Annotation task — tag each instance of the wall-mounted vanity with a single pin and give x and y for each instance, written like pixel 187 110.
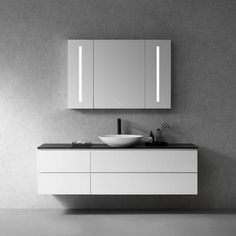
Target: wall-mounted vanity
pixel 104 170
pixel 119 74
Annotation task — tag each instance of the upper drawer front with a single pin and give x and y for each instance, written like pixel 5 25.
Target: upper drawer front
pixel 144 161
pixel 63 161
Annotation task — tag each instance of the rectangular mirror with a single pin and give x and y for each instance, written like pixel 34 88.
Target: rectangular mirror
pixel 119 74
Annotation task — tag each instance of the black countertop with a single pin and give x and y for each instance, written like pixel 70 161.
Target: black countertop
pixel 104 146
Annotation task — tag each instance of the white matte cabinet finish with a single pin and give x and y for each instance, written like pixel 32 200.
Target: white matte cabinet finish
pixel 80 74
pixel 63 171
pixel 144 161
pixel 119 74
pixel 63 183
pixel 63 161
pixel 117 171
pixel 119 70
pixel 144 183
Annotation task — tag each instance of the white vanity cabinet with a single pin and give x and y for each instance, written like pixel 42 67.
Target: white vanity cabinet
pixel 117 171
pixel 119 74
pixel 144 172
pixel 63 172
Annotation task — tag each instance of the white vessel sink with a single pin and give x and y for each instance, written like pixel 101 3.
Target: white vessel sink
pixel 120 140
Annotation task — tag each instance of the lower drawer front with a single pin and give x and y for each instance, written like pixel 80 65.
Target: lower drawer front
pixel 63 183
pixel 144 183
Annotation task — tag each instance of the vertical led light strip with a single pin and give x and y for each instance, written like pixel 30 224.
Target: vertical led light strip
pixel 157 74
pixel 80 74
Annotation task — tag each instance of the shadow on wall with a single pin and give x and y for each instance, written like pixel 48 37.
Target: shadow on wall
pixel 213 167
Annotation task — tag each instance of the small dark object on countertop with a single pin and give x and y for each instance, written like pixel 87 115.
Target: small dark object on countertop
pixel 156 144
pixel 78 145
pixel 151 138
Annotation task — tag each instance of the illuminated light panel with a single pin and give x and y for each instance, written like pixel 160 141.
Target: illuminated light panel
pixel 157 74
pixel 80 74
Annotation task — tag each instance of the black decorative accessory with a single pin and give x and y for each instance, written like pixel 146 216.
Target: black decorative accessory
pixel 156 144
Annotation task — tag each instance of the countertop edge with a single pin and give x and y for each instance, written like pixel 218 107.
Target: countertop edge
pixel 104 146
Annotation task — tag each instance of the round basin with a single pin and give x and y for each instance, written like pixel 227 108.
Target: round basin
pixel 120 140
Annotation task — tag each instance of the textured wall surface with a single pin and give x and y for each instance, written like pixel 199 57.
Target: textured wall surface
pixel 33 92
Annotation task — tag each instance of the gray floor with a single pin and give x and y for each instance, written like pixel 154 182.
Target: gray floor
pixel 60 223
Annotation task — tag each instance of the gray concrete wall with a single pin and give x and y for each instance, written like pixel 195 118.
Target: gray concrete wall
pixel 33 92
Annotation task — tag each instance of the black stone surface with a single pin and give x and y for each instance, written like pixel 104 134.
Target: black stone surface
pixel 104 146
